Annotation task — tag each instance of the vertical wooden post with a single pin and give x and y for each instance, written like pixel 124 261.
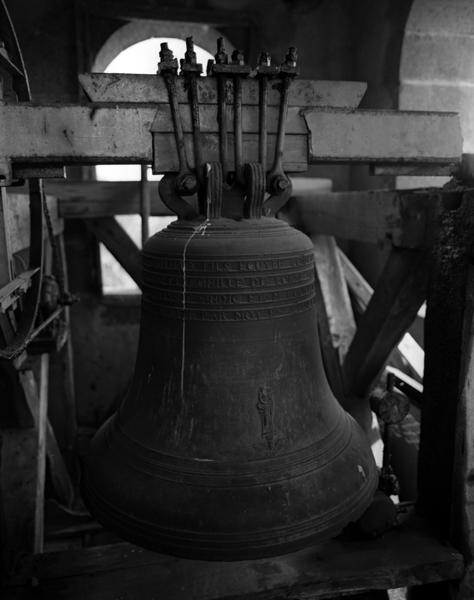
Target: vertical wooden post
pixel 22 474
pixel 6 330
pixel 42 411
pixel 144 204
pixel 462 513
pixel 453 240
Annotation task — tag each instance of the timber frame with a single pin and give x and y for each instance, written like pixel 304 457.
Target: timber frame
pixel 430 232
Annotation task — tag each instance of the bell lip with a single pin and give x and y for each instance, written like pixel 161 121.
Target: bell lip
pixel 277 539
pixel 281 541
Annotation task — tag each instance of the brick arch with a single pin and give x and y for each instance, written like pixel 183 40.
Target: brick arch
pixel 137 31
pixel 437 64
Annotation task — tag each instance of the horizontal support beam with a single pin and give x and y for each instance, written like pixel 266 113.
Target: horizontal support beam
pixel 94 134
pixel 372 216
pixel 90 199
pixel 119 87
pixel 369 136
pixel 403 556
pixel 208 119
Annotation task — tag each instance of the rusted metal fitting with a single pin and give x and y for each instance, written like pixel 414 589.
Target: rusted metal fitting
pixel 391 406
pixel 189 64
pixel 280 183
pixel 167 64
pixel 221 66
pixel 221 56
pixel 288 67
pixel 265 67
pixel 238 58
pixel 186 184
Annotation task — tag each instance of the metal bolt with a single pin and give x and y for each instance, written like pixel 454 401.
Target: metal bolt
pixel 281 184
pixel 165 53
pixel 291 57
pixel 221 56
pixel 265 59
pixel 238 57
pixel 188 183
pixel 190 55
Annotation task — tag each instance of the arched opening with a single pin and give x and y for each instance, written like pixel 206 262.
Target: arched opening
pixel 436 67
pixel 135 49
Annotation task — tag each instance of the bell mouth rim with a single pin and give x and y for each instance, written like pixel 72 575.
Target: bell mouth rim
pixel 231 545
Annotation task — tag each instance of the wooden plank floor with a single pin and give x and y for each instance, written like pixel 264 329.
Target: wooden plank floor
pixel 406 556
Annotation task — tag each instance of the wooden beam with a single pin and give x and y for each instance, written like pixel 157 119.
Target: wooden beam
pixel 10 293
pixel 445 380
pixel 334 290
pixel 462 526
pixel 7 330
pixel 41 424
pixel 404 556
pixel 60 479
pixel 118 242
pixel 90 199
pixel 163 120
pixel 372 216
pixel 408 349
pixel 17 220
pixel 369 136
pixel 400 291
pixel 96 133
pixel 119 87
pixel 22 471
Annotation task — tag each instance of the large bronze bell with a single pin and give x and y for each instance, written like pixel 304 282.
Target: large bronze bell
pixel 229 443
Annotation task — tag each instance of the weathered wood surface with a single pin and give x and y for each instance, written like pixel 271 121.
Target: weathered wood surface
pixel 10 293
pixel 400 291
pixel 119 87
pixel 384 136
pixel 91 134
pixel 89 199
pixel 445 347
pixel 362 291
pixel 373 216
pixel 60 479
pixel 22 475
pixel 462 526
pixel 109 231
pixel 17 220
pixel 407 556
pixel 335 294
pixel 163 120
pixel 5 241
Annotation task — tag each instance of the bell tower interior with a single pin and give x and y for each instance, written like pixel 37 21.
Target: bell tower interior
pixel 236 299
